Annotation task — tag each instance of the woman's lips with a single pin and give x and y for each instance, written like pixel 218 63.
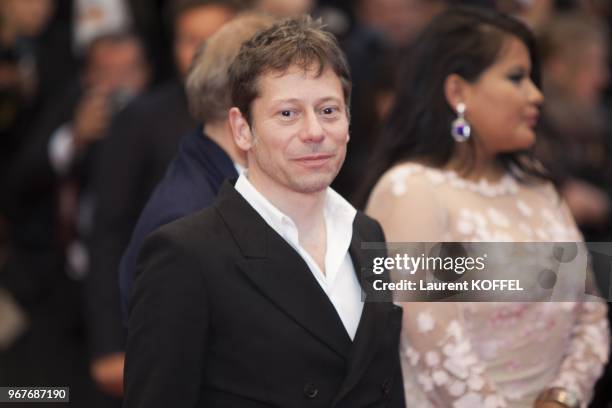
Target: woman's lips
pixel 532 120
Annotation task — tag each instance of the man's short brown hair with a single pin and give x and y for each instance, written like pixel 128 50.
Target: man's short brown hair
pixel 300 42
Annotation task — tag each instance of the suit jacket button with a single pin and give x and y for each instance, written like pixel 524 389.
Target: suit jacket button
pixel 311 391
pixel 386 387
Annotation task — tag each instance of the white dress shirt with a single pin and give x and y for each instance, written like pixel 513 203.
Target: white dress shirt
pixel 61 149
pixel 339 281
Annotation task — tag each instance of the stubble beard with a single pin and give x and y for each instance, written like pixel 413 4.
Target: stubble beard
pixel 309 183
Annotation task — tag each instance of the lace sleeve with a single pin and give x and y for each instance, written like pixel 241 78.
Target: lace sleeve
pixel 445 367
pixel 587 352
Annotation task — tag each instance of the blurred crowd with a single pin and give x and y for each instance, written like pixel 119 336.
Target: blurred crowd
pixel 92 109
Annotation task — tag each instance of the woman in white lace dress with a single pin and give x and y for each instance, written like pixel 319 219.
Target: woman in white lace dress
pixel 476 70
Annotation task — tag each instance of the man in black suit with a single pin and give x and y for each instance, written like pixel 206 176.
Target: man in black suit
pixel 257 301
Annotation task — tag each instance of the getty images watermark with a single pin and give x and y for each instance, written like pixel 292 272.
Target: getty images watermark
pixel 487 271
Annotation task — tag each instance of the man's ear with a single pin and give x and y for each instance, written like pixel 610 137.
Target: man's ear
pixel 241 131
pixel 456 90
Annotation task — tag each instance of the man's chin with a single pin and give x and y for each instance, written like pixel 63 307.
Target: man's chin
pixel 313 184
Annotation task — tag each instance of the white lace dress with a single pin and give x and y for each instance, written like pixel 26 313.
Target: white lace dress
pixel 469 355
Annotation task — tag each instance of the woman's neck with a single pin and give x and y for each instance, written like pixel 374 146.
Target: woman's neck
pixel 474 164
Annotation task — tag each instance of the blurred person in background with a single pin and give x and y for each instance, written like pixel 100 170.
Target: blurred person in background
pixel 142 141
pixel 284 8
pixel 598 8
pixel 93 18
pixel 399 21
pixel 534 13
pixel 20 23
pixel 49 212
pixel 575 144
pixel 575 141
pixel 28 74
pixel 383 28
pixel 454 165
pixel 152 20
pixel 31 32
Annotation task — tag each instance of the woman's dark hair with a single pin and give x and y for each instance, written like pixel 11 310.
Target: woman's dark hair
pixel 464 41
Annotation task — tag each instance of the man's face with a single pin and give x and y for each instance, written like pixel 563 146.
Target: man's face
pixel 29 16
pixel 299 131
pixel 114 66
pixel 193 27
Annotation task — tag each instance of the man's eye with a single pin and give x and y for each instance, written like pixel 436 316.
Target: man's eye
pixel 287 115
pixel 329 111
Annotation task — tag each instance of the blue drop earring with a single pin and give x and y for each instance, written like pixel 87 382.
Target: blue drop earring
pixel 460 128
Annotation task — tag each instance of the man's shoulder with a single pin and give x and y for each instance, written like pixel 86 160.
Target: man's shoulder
pixel 200 238
pixel 368 228
pixel 185 185
pixel 197 227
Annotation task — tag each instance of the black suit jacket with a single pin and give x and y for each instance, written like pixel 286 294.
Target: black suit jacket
pixel 226 314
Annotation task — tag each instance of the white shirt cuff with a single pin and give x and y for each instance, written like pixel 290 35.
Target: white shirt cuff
pixel 61 149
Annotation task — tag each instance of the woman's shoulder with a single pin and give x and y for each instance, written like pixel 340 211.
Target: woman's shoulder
pixel 409 186
pixel 410 179
pixel 408 205
pixel 406 177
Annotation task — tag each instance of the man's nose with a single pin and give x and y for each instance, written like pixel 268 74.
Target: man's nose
pixel 312 131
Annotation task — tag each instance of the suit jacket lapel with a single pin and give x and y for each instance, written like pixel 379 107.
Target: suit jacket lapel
pixel 373 321
pixel 280 273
